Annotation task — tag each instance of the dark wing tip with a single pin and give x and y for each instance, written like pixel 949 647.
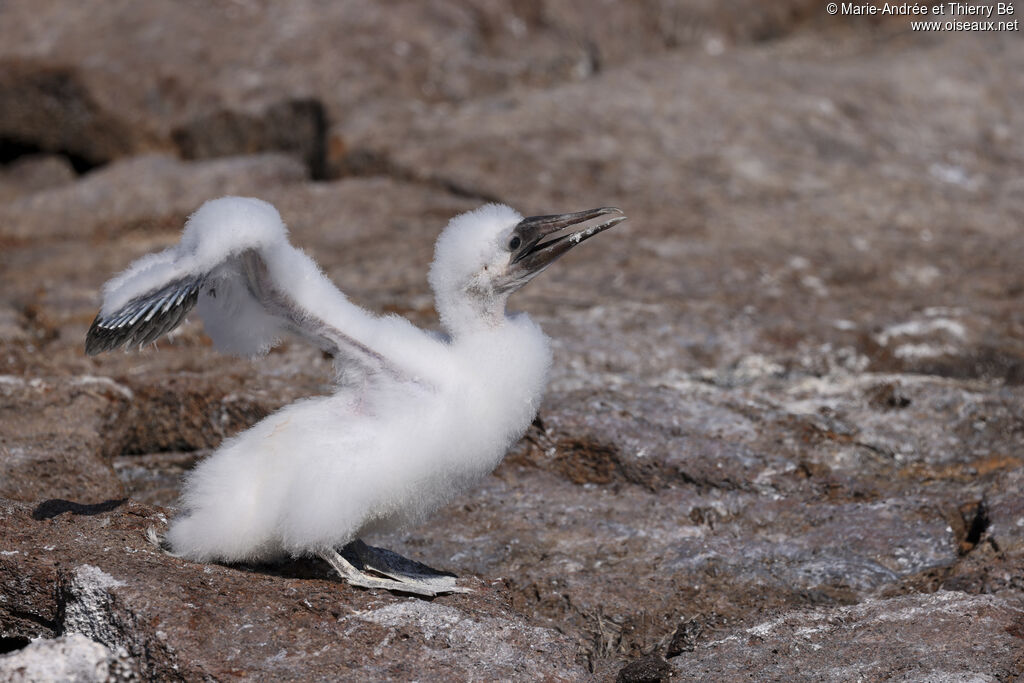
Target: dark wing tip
pixel 145 318
pixel 97 338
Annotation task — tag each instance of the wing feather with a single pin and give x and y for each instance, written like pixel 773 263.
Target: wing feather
pixel 145 318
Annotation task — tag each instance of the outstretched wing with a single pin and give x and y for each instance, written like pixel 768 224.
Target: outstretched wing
pixel 250 285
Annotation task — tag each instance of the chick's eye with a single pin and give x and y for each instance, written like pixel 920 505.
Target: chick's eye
pixel 514 243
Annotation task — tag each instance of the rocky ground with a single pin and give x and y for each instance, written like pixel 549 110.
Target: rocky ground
pixel 784 434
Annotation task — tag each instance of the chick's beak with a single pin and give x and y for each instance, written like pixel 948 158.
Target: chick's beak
pixel 544 239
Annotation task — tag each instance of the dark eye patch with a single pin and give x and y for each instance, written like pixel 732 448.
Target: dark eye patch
pixel 514 243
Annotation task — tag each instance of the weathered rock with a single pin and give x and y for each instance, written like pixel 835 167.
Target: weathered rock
pixel 860 642
pixel 295 126
pixel 54 438
pixel 72 658
pixel 32 173
pixel 215 80
pixel 97 575
pixel 649 669
pixel 138 193
pixel 51 108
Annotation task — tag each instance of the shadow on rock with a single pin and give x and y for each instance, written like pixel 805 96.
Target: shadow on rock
pixel 49 509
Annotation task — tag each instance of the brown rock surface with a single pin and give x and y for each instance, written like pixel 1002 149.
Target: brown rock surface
pixel 858 643
pixel 784 435
pixel 212 80
pixel 96 574
pixel 55 438
pixel 137 193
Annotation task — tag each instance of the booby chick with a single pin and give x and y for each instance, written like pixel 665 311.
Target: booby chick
pixel 416 418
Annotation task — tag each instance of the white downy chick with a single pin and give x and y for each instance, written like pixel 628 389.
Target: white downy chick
pixel 415 419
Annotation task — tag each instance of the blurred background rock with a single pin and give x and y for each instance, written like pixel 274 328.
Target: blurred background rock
pixel 784 432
